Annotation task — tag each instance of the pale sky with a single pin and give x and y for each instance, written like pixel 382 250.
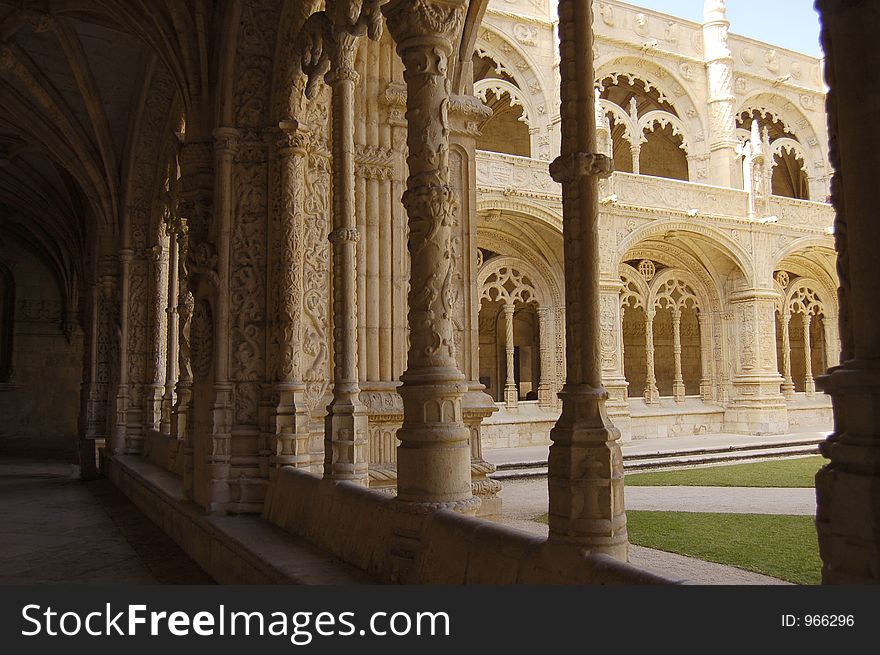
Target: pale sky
pixel 792 24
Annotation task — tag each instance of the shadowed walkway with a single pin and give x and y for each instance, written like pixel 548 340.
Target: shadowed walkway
pixel 57 528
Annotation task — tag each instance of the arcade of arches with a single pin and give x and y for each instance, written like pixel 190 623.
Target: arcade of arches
pixel 287 261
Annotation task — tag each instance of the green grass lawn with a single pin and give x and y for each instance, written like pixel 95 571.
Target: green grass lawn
pixel 797 472
pixel 783 547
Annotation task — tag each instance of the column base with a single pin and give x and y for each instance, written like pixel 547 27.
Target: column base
pixel 346 442
pixel 757 407
pixel 289 443
pixel 585 476
pixel 848 487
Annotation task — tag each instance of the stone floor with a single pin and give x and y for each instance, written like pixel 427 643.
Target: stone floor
pixel 56 528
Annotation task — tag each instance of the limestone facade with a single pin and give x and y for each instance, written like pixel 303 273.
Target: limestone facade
pixel 716 236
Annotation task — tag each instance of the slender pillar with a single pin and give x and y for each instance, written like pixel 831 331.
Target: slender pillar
pixel 787 382
pixel 346 430
pixel 154 392
pixel 545 333
pixel 182 414
pixel 652 393
pixel 433 461
pixel 832 346
pixel 171 335
pixel 511 393
pixel 809 383
pixel 291 439
pixel 585 467
pixel 678 388
pixel 635 147
pixel 706 386
pixel 122 392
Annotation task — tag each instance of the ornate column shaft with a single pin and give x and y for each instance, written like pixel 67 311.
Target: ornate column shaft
pixel 585 467
pixel 154 392
pixel 678 389
pixel 787 382
pixel 809 383
pixel 635 148
pixel 652 393
pixel 545 333
pixel 511 393
pixel 346 430
pixel 291 441
pixel 185 306
pixel 219 454
pixel 706 392
pixel 434 456
pixel 122 391
pixel 171 335
pixel 722 122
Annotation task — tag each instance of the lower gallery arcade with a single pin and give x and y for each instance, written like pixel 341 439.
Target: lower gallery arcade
pixel 286 290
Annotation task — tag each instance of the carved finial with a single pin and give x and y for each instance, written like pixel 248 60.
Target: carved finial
pixel 756 136
pixel 714 10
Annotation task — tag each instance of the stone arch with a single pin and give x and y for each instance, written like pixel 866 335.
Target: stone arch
pixel 635 292
pixel 803 296
pixel 530 285
pixel 667 83
pixel 673 280
pixel 650 121
pixel 502 87
pixel 797 123
pixel 735 251
pixel 518 64
pixel 522 206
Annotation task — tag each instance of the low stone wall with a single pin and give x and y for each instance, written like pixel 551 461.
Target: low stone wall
pixel 231 549
pixel 378 535
pixel 659 423
pixel 164 451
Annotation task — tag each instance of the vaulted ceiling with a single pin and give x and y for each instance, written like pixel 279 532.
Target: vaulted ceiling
pixel 72 74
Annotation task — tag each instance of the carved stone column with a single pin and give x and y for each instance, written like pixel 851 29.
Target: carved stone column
pixel 154 391
pixel 635 147
pixel 722 122
pixel 809 383
pixel 757 405
pixel 832 344
pixel 511 393
pixel 585 467
pixel 787 382
pixel 613 377
pixel 706 386
pixel 122 391
pixel 171 367
pixel 291 440
pixel 545 333
pixel 652 393
pixel 185 306
pixel 677 380
pixel 434 454
pixel 848 486
pixel 346 431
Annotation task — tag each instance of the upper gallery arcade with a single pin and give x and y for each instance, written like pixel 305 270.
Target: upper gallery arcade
pixel 251 243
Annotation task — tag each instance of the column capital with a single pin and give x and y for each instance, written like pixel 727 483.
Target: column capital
pixel 226 141
pixel 424 22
